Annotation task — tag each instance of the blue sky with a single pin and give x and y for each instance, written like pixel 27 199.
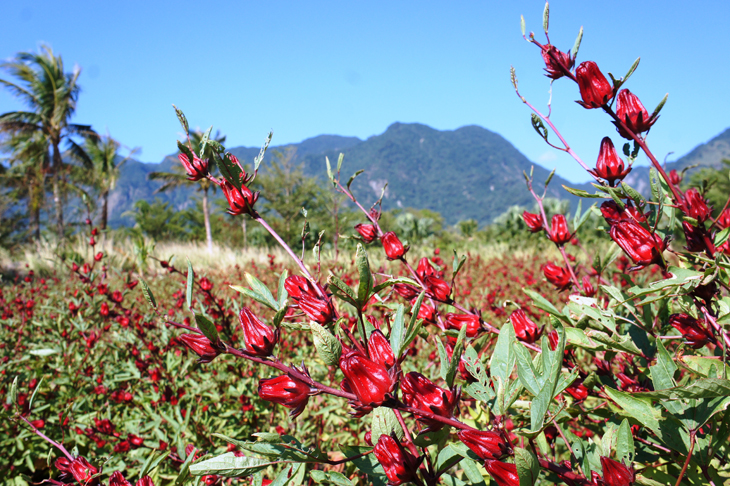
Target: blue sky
pixel 353 68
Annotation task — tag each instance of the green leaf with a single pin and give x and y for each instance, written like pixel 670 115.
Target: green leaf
pixel 528 469
pixel 327 345
pixel 366 277
pixel 189 286
pixel 458 264
pixel 659 106
pixel 330 477
pixel 340 158
pixel 342 290
pixel 625 443
pixel 32 397
pixel 261 289
pixel 662 373
pixel 153 461
pixel 633 194
pixel 631 70
pixel 542 303
pixel 722 237
pixel 540 128
pixel 13 395
pixel 700 388
pixel 260 157
pixel 204 143
pixel 207 328
pixel 330 175
pixel 385 423
pixel 185 468
pixel 181 118
pixel 456 357
pixel 503 357
pixel 616 342
pixel 43 352
pixel 545 24
pixel 522 24
pixel 352 178
pixel 428 438
pixel 281 291
pixel 148 294
pixel 397 330
pixel 443 359
pixel 576 46
pixel 230 466
pixel 393 281
pixel 581 192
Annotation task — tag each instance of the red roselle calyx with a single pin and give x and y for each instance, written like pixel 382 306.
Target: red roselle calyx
pixel 240 201
pixel 117 479
pixel 201 346
pixel 533 221
pixel 504 474
pixel 425 268
pixel 287 391
pixel 296 286
pixel 630 110
pixel 486 444
pixel 693 330
pixel 558 276
pixel 698 240
pixel 379 349
pixel 318 309
pixel 421 393
pixel 643 247
pixel 559 233
pixel 609 165
pixel 616 474
pixel 393 247
pixel 368 232
pixel 553 58
pixel 82 471
pixel 457 321
pixel 525 329
pixel 399 465
pixel 723 221
pixel 370 381
pixel 437 288
pixel 197 169
pixel 695 206
pixel 259 338
pixel 406 291
pixel 595 90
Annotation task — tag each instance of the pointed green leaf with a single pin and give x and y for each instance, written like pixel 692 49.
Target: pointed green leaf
pixel 260 157
pixel 385 423
pixel 148 294
pixel 189 286
pixel 181 118
pixel 366 277
pixel 528 468
pixel 230 466
pixel 576 45
pixel 327 345
pixel 206 327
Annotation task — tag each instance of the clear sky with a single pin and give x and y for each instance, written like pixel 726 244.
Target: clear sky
pixel 305 68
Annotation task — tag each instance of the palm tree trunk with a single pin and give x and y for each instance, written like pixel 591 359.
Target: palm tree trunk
pixel 104 209
pixel 58 202
pixel 206 218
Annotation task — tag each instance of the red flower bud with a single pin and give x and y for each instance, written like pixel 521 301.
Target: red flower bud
pixel 104 309
pixel 145 481
pixel 609 166
pixel 504 474
pixel 200 345
pixel 694 205
pixel 367 231
pixel 723 221
pixel 595 90
pixel 612 213
pixel 525 329
pixel 38 424
pixel 559 233
pixel 197 169
pixel 426 312
pixel 379 349
pixel 260 339
pixel 616 474
pixel 316 308
pixel 400 465
pixel 393 247
pixel 533 221
pixel 558 276
pixel 135 440
pixel 99 256
pixel 240 201
pixel 557 63
pixel 692 329
pixel 630 110
pixel 486 445
pixel 286 391
pixel 577 390
pixel 82 471
pixel 588 289
pixel 425 268
pixel 118 480
pixel 406 291
pixel 419 392
pixel 643 247
pixel 697 238
pixel 206 284
pixel 296 286
pixel 437 288
pixel 368 380
pixel 674 177
pixel 92 241
pixel 457 321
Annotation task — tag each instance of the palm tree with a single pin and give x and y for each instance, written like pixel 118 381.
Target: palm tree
pixel 100 154
pixel 50 94
pixel 26 176
pixel 178 178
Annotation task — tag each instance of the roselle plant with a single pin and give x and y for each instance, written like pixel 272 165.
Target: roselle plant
pixel 621 380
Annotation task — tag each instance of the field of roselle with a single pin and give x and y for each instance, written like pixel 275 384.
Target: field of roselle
pixel 591 350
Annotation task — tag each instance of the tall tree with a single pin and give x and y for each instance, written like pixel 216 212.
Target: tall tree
pixel 178 178
pixel 26 175
pixel 100 154
pixel 50 94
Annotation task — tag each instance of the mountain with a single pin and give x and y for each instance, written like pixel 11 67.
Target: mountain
pixel 709 154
